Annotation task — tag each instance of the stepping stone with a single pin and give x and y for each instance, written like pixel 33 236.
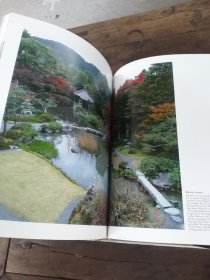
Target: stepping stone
pixel 177 219
pixel 172 211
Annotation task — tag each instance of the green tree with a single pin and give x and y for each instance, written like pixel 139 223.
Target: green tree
pixel 44 101
pixel 133 99
pixel 158 86
pixel 14 104
pixel 35 55
pixel 161 138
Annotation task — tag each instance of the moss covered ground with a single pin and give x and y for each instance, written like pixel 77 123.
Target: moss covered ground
pixel 34 189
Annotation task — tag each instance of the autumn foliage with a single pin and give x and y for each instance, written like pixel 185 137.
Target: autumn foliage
pixel 138 80
pixel 58 81
pixel 161 111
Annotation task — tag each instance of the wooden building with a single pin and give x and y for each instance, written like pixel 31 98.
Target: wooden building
pixel 82 98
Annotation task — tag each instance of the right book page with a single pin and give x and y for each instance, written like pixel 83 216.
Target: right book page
pixel 161 155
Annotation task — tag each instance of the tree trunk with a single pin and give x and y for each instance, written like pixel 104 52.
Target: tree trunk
pixel 5 122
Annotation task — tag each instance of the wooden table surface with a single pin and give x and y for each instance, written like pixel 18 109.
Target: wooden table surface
pixel 180 29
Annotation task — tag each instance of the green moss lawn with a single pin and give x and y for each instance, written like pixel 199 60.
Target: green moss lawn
pixel 32 188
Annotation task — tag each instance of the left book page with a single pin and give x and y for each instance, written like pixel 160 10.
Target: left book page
pixel 54 117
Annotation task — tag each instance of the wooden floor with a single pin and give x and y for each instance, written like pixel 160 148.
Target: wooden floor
pixel 183 28
pixel 42 260
pixel 179 29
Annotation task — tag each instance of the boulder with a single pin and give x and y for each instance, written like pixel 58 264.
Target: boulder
pixel 49 130
pixel 162 181
pixel 90 193
pixel 13 147
pixel 75 150
pixel 27 140
pixel 19 140
pixel 174 202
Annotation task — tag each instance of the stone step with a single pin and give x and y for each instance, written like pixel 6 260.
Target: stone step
pixel 155 194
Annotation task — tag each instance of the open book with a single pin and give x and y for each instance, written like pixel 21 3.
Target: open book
pixel 88 155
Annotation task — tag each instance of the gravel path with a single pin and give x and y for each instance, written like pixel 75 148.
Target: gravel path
pixel 66 214
pixel 128 159
pixel 170 224
pixel 7 214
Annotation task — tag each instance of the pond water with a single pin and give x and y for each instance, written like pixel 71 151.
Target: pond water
pixel 163 180
pixel 174 196
pixel 80 166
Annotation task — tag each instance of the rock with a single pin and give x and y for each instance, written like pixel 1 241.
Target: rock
pixel 174 202
pixel 172 211
pixel 162 181
pixel 48 130
pixel 75 150
pixel 27 140
pixel 90 193
pixel 177 219
pixel 19 140
pixel 13 147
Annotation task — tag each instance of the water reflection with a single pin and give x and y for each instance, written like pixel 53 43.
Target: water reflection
pixel 80 166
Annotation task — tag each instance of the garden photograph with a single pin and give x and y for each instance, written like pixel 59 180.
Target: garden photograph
pixel 146 184
pixel 54 137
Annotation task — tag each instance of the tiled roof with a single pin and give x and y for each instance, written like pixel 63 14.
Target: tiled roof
pixel 83 94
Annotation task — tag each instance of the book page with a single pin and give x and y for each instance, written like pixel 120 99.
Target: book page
pixel 161 154
pixel 54 116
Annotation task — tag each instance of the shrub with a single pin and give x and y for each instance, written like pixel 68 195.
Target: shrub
pixel 93 121
pixel 125 171
pixel 128 174
pixel 44 117
pixel 3 143
pixel 13 134
pixel 27 130
pixel 132 151
pixel 123 165
pixel 23 130
pixel 131 207
pixel 44 148
pixel 152 166
pixel 54 126
pixel 19 118
pixel 88 142
pixel 89 119
pixel 41 118
pixel 174 176
pixel 128 212
pixel 91 211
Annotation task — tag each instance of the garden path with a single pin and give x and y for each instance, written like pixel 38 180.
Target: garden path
pixel 129 160
pixel 66 214
pixel 7 214
pixel 168 222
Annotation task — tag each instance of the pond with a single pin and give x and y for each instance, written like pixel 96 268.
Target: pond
pixel 163 184
pixel 173 196
pixel 80 166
